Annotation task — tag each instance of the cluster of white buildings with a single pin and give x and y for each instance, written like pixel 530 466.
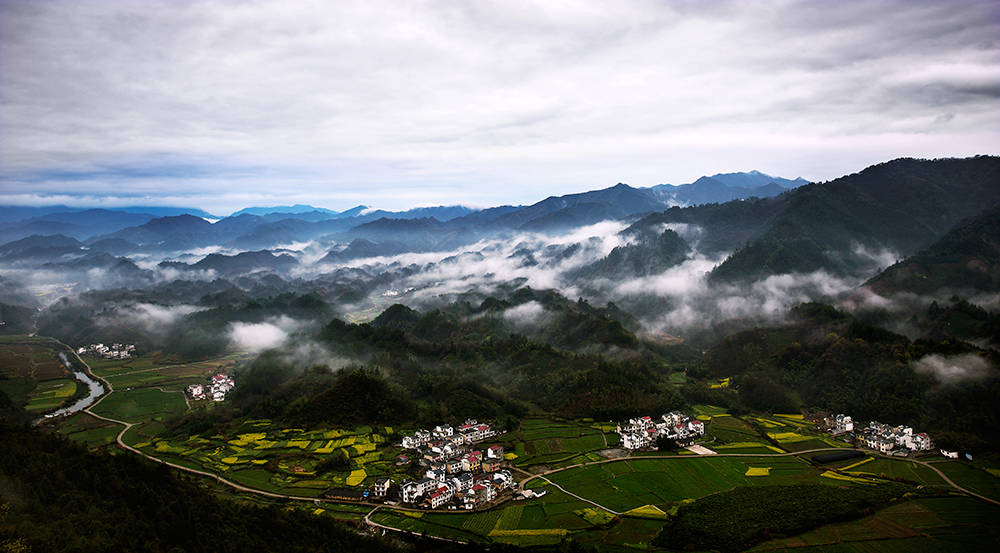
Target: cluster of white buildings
pixel 644 432
pixel 455 473
pixel 218 386
pixel 890 440
pixel 114 351
pixel 468 433
pixel 465 489
pixel 894 440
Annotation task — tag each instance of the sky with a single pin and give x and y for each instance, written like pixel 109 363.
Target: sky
pixel 222 105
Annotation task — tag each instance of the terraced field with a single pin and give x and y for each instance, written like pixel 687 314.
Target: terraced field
pixel 284 460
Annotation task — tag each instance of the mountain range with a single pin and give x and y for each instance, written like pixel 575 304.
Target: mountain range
pixel 265 227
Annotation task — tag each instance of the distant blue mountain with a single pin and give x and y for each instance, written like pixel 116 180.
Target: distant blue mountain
pixel 11 213
pixel 725 187
pixel 164 211
pixel 755 179
pixel 290 209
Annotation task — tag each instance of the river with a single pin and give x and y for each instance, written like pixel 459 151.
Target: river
pixel 95 390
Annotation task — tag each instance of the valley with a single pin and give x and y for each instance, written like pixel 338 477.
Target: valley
pixel 301 376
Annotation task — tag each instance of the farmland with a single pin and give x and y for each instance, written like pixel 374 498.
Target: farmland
pixel 33 376
pixel 50 394
pixel 89 430
pixel 634 483
pixel 928 524
pixel 897 469
pixel 971 477
pixel 559 443
pixel 286 460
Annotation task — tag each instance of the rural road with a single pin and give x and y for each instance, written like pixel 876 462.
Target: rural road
pixel 376 506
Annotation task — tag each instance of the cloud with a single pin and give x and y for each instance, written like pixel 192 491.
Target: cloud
pixel 527 314
pixel 481 103
pixel 692 302
pixel 155 318
pixel 954 369
pixel 264 335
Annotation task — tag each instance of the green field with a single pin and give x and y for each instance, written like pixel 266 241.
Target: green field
pixel 972 478
pixel 50 394
pixel 89 430
pixel 543 521
pixel 625 485
pixel 931 524
pixel 32 375
pixel 731 430
pixel 150 372
pixel 899 468
pixel 560 443
pixel 141 405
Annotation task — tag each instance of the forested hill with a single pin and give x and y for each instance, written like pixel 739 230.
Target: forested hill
pixel 967 257
pixel 899 206
pixel 840 226
pixel 827 359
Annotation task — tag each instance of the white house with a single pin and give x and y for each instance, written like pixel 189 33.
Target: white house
pixel 843 423
pixel 440 496
pixel 381 487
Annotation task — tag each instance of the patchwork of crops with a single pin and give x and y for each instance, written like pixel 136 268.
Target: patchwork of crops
pixel 50 394
pixel 265 456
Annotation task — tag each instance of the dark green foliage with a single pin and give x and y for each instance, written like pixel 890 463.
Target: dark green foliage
pixel 11 411
pixel 818 313
pixel 457 363
pixel 967 257
pixel 16 319
pixel 650 255
pixel 357 396
pixel 844 365
pixel 902 205
pixel 738 519
pixel 339 460
pixel 63 498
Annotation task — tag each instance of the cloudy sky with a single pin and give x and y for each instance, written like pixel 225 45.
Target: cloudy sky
pixel 221 105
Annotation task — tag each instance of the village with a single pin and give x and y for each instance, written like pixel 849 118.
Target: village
pixel 114 351
pixel 218 386
pixel 900 441
pixel 645 432
pixel 455 473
